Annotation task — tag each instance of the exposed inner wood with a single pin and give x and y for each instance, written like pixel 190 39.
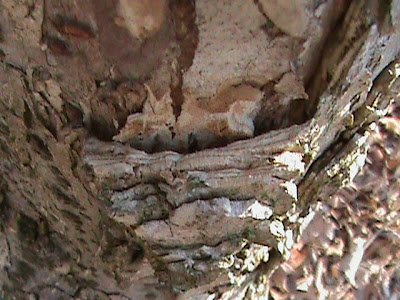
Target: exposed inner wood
pixel 254 84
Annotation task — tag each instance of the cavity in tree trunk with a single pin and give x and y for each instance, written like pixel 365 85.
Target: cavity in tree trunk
pixel 160 149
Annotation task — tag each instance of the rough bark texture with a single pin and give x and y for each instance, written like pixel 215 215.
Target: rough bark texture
pixel 161 149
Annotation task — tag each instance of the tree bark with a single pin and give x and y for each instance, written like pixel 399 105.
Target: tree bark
pixel 170 149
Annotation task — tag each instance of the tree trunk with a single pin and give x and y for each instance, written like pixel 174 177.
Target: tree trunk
pixel 160 149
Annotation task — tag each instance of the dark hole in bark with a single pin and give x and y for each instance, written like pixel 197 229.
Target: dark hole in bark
pixel 4 202
pixel 27 116
pixel 137 253
pixel 39 146
pixel 73 114
pixel 27 228
pixel 1 35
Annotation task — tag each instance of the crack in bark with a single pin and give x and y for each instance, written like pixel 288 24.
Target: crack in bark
pixel 348 133
pixel 187 35
pixel 261 10
pixel 15 67
pixel 108 294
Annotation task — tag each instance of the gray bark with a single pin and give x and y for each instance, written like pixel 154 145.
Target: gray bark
pixel 164 149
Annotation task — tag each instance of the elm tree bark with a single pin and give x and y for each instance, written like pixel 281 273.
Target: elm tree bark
pixel 168 149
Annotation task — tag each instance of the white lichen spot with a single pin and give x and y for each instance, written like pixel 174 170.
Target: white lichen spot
pixel 378 112
pixel 211 297
pixel 345 109
pixel 227 262
pixel 310 142
pixel 291 189
pixel 236 279
pixel 285 244
pixel 250 263
pixel 294 161
pixel 307 148
pixel 373 127
pixel 332 172
pixel 258 211
pixel 189 263
pixel 289 239
pixel 306 284
pixel 232 278
pixel 246 252
pixel 263 253
pixel 277 229
pixel 311 149
pixel 396 72
pixel 352 163
pixel 293 214
pixel 355 260
pixel 293 217
pixel 358 163
pixel 306 221
pixel 362 140
pixel 281 247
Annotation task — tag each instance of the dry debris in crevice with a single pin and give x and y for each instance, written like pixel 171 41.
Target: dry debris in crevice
pixel 350 249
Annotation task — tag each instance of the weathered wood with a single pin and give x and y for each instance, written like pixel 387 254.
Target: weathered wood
pixel 110 183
